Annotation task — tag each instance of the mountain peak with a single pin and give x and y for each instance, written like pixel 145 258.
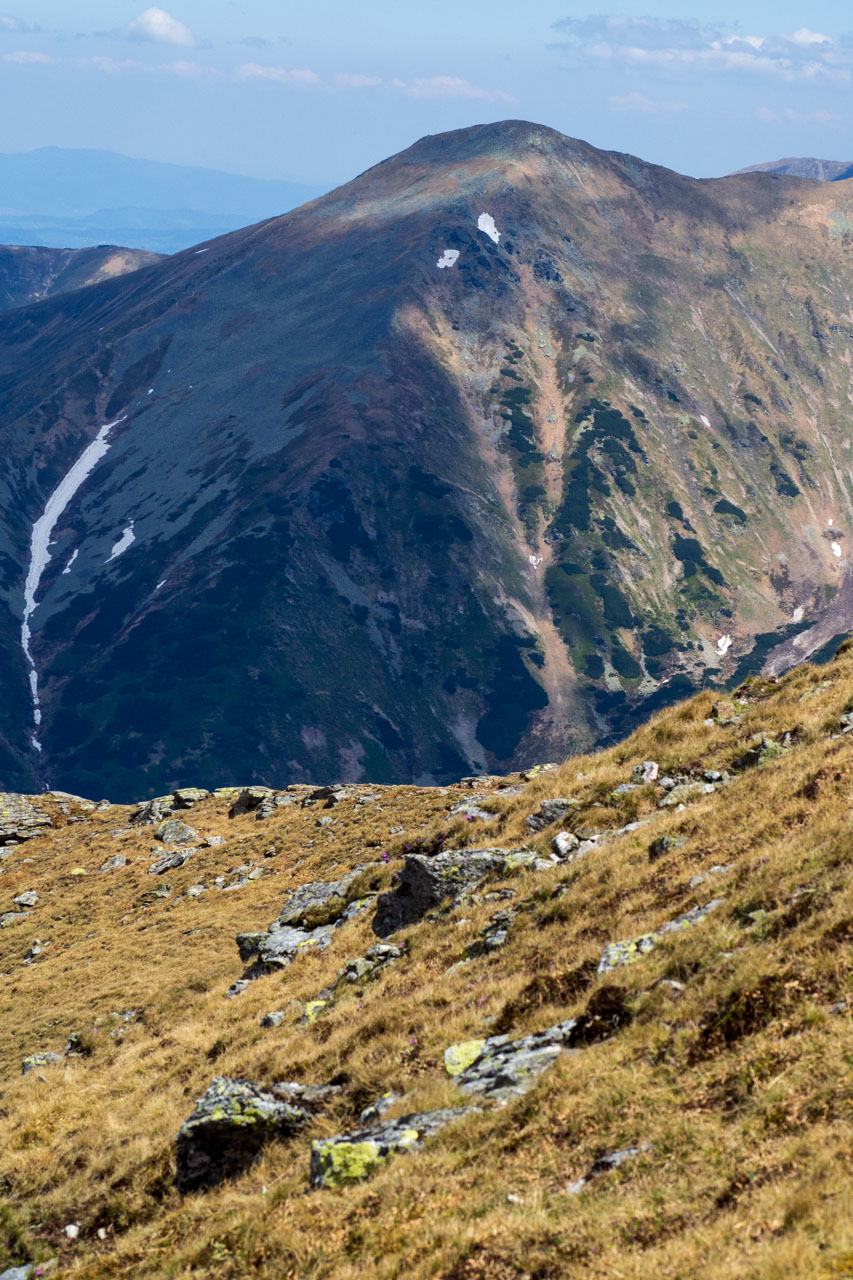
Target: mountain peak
pixel 804 167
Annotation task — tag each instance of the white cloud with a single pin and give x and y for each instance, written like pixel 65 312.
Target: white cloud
pixel 358 82
pixel 280 75
pixel 678 45
pixel 25 58
pixel 449 87
pixel 159 26
pixel 639 103
pixel 829 119
pixel 8 23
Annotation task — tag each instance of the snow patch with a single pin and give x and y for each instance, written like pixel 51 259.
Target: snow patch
pixel 198 251
pixel 150 391
pixel 160 584
pixel 486 224
pixel 723 645
pixel 448 258
pixel 127 537
pixel 836 550
pixel 535 561
pixel 40 548
pixel 705 421
pixel 798 614
pixel 67 568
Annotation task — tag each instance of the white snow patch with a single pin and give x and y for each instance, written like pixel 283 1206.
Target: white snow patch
pixel 486 224
pixel 150 391
pixel 160 584
pixel 704 420
pixel 798 614
pixel 448 258
pixel 67 568
pixel 535 561
pixel 127 537
pixel 40 547
pixel 723 645
pixel 198 251
pixel 836 550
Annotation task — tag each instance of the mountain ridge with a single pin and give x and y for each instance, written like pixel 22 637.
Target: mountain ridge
pixel 598 453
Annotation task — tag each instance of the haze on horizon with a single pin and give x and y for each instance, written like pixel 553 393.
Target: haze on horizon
pixel 318 94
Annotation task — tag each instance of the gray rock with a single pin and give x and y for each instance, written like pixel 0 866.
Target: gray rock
pixel 493 937
pixel 605 1164
pixel 320 902
pixel 152 811
pixel 231 1124
pixel 564 844
pixel 27 899
pixel 501 1068
pixel 113 864
pixel 20 819
pixel 174 831
pixel 473 810
pixel 373 1114
pixel 619 953
pixel 762 750
pixel 170 862
pixel 12 917
pixel 665 844
pixel 274 1018
pixel 368 965
pixel 249 799
pixel 23 1272
pixel 350 1157
pixel 33 1061
pixel 550 811
pixel 186 797
pixel 427 881
pixel 684 792
pixel 279 946
pixel 645 773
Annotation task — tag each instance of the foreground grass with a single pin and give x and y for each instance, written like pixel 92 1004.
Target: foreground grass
pixel 734 1076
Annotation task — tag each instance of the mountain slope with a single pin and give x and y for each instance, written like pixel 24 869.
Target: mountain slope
pixel 407 519
pixel 698 1127
pixel 806 167
pixel 29 274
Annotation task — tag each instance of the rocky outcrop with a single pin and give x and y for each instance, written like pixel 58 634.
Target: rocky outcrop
pixel 352 1157
pixel 619 953
pixel 500 1068
pixel 232 1123
pixel 21 819
pixel 426 882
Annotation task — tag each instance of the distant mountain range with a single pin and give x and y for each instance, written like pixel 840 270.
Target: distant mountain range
pixel 806 167
pixel 475 461
pixel 29 274
pixel 75 199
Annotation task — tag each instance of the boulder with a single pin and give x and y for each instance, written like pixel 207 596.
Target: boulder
pixel 493 937
pixel 249 799
pixel 174 831
pixel 20 819
pixel 645 773
pixel 186 797
pixel 427 881
pixel 352 1157
pixel 564 844
pixel 152 811
pixel 23 1272
pixel 317 903
pixel 684 792
pixel 113 864
pixel 501 1068
pixel 27 899
pixel 12 917
pixel 274 1018
pixel 619 953
pixel 762 750
pixel 549 812
pixel 229 1127
pixel 170 862
pixel 33 1061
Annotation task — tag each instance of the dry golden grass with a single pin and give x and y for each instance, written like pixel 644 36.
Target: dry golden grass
pixel 741 1082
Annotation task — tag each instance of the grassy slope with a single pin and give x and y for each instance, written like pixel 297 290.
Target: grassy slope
pixel 741 1083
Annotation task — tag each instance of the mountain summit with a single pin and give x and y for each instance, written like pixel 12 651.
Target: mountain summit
pixel 806 167
pixel 477 459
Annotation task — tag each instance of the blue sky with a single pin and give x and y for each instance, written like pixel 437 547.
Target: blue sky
pixel 317 92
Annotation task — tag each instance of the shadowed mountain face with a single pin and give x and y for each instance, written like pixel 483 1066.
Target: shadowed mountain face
pixel 401 491
pixel 29 274
pixel 806 167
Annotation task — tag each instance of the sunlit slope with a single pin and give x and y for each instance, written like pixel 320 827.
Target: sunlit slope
pixel 715 1062
pixel 396 520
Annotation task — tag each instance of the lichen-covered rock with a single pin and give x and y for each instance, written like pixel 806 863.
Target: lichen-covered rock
pixel 684 792
pixel 35 1060
pixel 249 799
pixel 20 819
pixel 231 1124
pixel 368 965
pixel 27 899
pixel 170 862
pixel 762 750
pixel 114 863
pixel 352 1157
pixel 427 881
pixel 504 1068
pixel 152 811
pixel 643 774
pixel 274 1018
pixel 279 946
pixel 186 797
pixel 619 953
pixel 549 812
pixel 174 831
pixel 318 903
